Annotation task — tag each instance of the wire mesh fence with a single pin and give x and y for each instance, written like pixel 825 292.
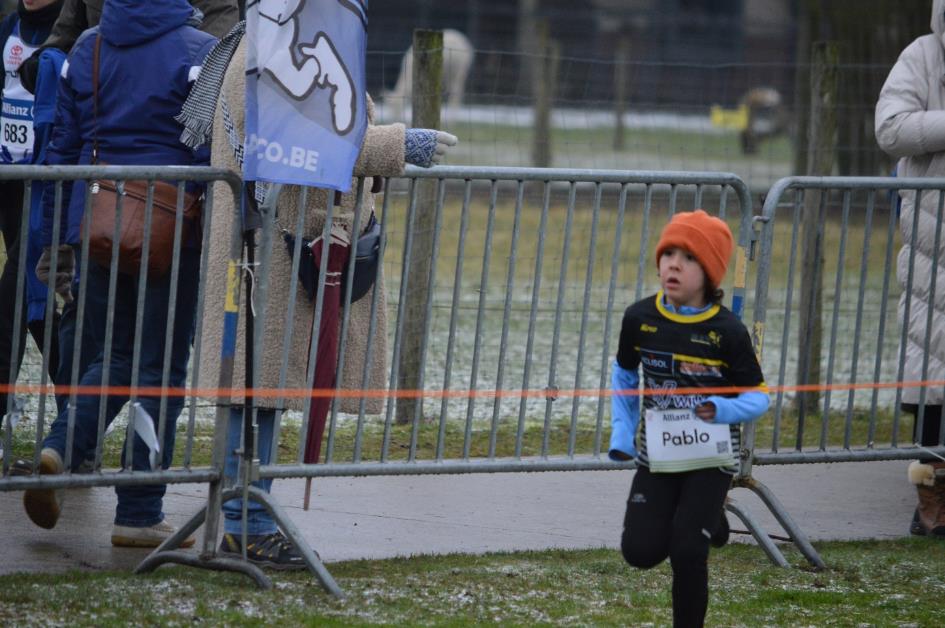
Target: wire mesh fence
pixel 827 305
pixel 744 118
pixel 529 269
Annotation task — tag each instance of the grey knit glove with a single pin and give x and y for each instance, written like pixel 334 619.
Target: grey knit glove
pixel 426 147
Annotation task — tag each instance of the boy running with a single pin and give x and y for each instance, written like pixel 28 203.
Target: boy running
pixel 686 453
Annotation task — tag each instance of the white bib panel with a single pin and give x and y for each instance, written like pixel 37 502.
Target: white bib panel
pixel 16 119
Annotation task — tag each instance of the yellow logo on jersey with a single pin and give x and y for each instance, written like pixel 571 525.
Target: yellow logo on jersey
pixel 648 328
pixel 715 338
pixel 712 338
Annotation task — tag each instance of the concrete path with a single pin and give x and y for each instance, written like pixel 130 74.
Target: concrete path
pixel 382 517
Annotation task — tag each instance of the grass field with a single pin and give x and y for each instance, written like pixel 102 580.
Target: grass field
pixel 658 142
pixel 454 443
pixel 887 583
pixel 634 238
pixel 489 286
pixel 630 265
pixel 627 254
pixel 867 583
pixel 578 141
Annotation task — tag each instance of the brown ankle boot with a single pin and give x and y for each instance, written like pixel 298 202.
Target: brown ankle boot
pixel 43 505
pixel 938 528
pixel 929 479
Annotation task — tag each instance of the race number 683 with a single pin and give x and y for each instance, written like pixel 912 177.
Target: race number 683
pixel 15 133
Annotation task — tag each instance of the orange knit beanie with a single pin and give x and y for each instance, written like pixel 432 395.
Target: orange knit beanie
pixel 708 239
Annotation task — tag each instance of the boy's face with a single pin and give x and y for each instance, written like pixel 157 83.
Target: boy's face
pixel 682 278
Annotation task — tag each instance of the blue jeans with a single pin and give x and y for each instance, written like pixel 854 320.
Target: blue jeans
pixel 67 329
pixel 258 519
pixel 138 506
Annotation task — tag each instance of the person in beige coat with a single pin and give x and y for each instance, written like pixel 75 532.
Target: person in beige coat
pixel 910 125
pixel 384 152
pixel 382 155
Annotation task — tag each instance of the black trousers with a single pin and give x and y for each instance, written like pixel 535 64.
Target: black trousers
pixel 11 215
pixel 931 426
pixel 672 515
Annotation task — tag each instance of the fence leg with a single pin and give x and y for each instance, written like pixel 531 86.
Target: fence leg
pixel 314 562
pixel 167 552
pixel 155 560
pixel 760 535
pixel 784 519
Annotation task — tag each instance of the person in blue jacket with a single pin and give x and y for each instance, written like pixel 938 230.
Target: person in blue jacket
pixel 22 142
pixel 149 58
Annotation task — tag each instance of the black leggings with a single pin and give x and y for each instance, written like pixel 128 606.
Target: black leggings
pixel 931 425
pixel 11 210
pixel 672 515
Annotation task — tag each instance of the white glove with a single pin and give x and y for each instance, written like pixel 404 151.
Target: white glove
pixel 444 141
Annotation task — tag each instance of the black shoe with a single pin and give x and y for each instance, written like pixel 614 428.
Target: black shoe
pixel 21 467
pixel 915 526
pixel 87 466
pixel 267 550
pixel 720 534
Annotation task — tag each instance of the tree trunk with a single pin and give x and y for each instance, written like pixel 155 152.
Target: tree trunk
pixel 821 158
pixel 621 59
pixel 871 33
pixel 427 87
pixel 527 42
pixel 543 88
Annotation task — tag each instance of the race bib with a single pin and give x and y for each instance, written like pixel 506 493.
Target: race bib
pixel 16 120
pixel 677 440
pixel 17 124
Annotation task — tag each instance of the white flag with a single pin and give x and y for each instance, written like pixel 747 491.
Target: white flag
pixel 144 428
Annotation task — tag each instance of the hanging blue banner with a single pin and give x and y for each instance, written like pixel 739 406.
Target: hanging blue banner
pixel 305 92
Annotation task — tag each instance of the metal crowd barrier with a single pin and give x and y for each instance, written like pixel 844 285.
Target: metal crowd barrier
pixel 850 354
pixel 542 316
pixel 38 380
pixel 99 336
pixel 538 326
pixel 510 317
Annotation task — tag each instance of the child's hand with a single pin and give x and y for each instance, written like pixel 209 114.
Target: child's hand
pixel 706 411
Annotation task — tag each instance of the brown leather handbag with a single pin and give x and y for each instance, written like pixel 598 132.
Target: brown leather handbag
pixel 134 209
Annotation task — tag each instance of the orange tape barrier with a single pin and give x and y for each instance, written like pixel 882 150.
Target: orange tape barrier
pixel 544 393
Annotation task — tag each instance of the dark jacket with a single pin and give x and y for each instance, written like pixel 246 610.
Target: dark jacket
pixel 44 111
pixel 219 16
pixel 149 59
